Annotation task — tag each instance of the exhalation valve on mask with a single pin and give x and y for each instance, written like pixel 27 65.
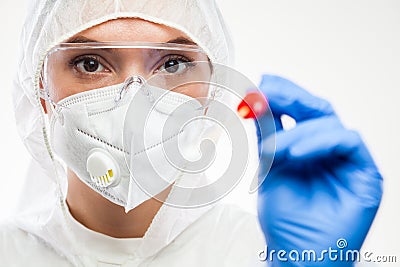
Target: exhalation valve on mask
pixel 102 168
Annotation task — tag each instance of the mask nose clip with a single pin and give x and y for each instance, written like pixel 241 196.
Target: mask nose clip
pixel 136 81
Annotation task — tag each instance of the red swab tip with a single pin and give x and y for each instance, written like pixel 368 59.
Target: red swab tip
pixel 253 105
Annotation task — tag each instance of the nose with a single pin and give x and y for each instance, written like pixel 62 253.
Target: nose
pixel 135 62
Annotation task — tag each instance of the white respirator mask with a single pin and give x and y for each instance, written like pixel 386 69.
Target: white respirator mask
pixel 107 139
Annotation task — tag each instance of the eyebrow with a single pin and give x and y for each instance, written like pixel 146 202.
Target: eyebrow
pixel 181 40
pixel 83 39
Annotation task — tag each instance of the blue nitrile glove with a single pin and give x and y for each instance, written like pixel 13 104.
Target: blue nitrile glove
pixel 323 185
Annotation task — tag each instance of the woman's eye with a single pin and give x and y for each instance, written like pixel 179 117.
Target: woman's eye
pixel 90 65
pixel 174 66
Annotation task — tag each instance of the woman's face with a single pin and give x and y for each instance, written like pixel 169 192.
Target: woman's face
pixel 72 71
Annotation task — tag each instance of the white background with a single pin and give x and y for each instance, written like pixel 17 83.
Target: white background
pixel 345 51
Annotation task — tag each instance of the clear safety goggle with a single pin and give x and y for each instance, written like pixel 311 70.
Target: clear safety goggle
pixel 71 68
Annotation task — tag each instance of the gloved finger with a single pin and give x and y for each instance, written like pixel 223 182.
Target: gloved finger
pixel 364 180
pixel 354 166
pixel 307 130
pixel 285 97
pixel 339 142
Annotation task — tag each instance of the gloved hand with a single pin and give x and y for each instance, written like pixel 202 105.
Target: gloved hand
pixel 323 185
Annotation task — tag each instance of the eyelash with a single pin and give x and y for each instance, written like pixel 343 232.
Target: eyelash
pixel 75 61
pixel 167 58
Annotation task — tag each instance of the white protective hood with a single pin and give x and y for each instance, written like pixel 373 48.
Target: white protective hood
pixel 48 23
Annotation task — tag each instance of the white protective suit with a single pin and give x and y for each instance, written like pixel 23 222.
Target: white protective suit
pixel 44 233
